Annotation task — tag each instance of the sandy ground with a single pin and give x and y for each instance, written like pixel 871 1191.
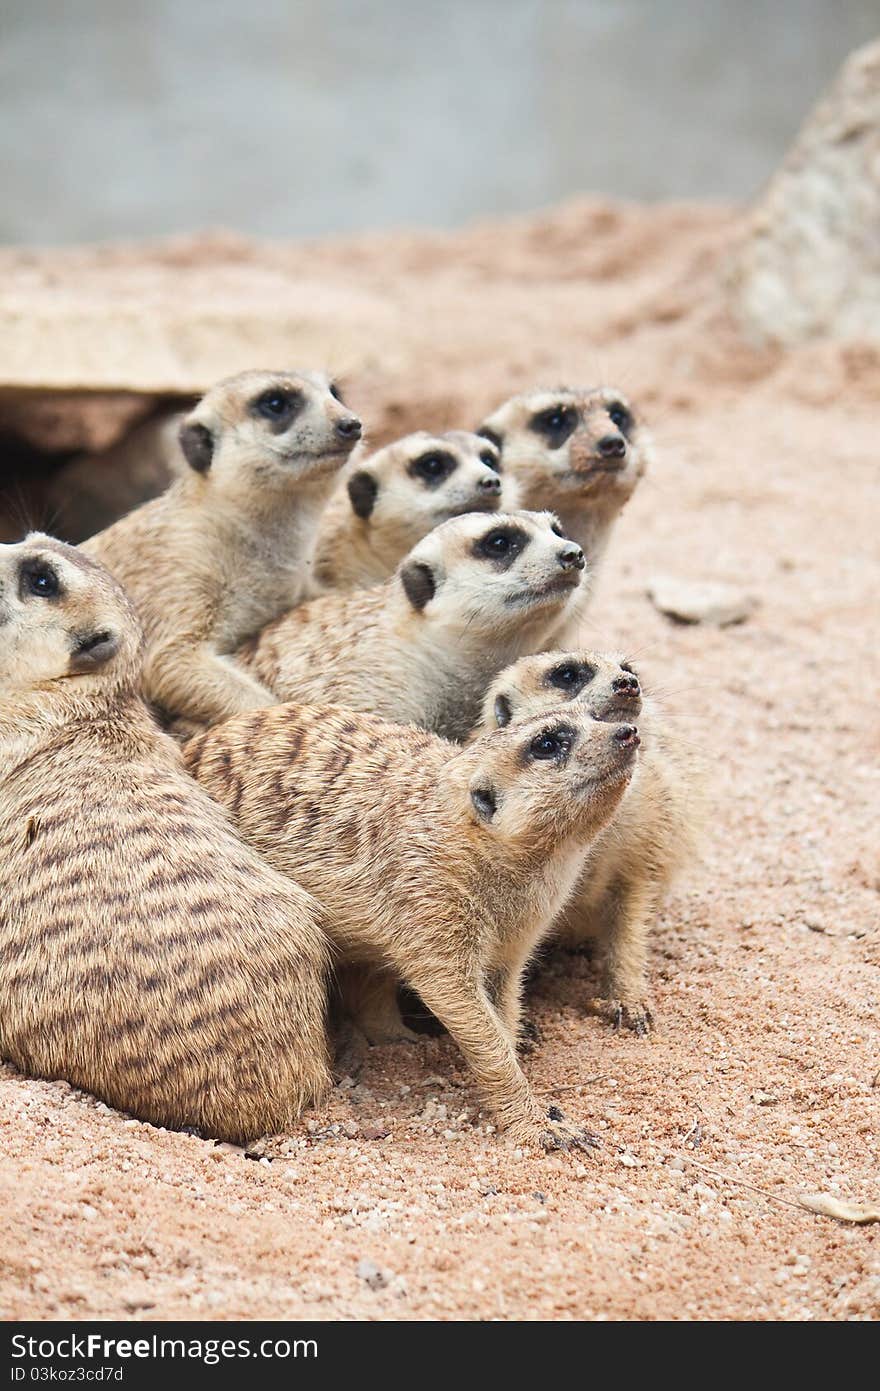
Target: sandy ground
pixel 762 1083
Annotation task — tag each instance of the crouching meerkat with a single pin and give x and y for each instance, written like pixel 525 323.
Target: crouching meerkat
pixel 578 451
pixel 146 953
pixel 421 648
pixel 229 545
pixel 437 865
pixel 386 502
pixel 632 862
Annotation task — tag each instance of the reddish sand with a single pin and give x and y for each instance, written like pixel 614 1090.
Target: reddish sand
pixel 762 1083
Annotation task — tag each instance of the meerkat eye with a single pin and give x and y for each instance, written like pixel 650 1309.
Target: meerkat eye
pixel 276 404
pixel 502 544
pixel 621 417
pixel 625 666
pixel 336 393
pixel 490 460
pixel 499 544
pixel 550 744
pixel 433 468
pixel 570 674
pixel 38 578
pixel 555 423
pixel 557 530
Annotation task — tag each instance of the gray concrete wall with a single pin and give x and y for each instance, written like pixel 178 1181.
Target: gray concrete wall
pixel 287 118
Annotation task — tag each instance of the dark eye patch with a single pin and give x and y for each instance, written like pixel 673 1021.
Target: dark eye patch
pixel 625 666
pixel 279 405
pixel 501 546
pixel 570 677
pixel 555 424
pixel 491 435
pixel 432 468
pixel 621 416
pixel 490 460
pixel 37 579
pixel 557 530
pixel 336 393
pixel 551 745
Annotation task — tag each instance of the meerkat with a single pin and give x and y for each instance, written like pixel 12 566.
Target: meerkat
pixel 421 648
pixel 92 491
pixel 146 953
pixel 228 546
pixel 384 504
pixel 632 862
pixel 437 865
pixel 578 451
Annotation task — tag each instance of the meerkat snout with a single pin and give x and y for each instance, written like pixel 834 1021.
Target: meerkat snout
pixel 572 558
pixel 349 427
pixel 626 686
pixel 611 447
pixel 627 736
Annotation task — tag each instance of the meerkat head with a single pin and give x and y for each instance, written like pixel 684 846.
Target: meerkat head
pixel 64 622
pixel 605 686
pixel 571 443
pixel 422 480
pixel 270 429
pixel 550 777
pixel 488 576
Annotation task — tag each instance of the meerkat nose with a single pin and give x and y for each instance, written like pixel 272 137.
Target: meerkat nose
pixel 349 427
pixel 612 446
pixel 627 736
pixel 572 558
pixel 625 686
pixel 491 485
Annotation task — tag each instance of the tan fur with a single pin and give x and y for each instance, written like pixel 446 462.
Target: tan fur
pixel 377 651
pixel 226 549
pixel 441 866
pixel 632 863
pixel 93 491
pixel 586 489
pixel 386 502
pixel 146 953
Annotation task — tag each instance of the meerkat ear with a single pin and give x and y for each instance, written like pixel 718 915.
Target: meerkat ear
pixel 362 491
pixel 484 801
pixel 197 444
pixel 92 651
pixel 503 712
pixel 419 583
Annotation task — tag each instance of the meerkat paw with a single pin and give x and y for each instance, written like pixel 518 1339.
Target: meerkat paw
pixel 552 1132
pixel 635 1015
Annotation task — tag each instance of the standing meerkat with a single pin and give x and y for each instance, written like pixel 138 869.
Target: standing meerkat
pixel 437 865
pixel 579 451
pixel 385 503
pixel 228 546
pixel 631 864
pixel 421 648
pixel 146 953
